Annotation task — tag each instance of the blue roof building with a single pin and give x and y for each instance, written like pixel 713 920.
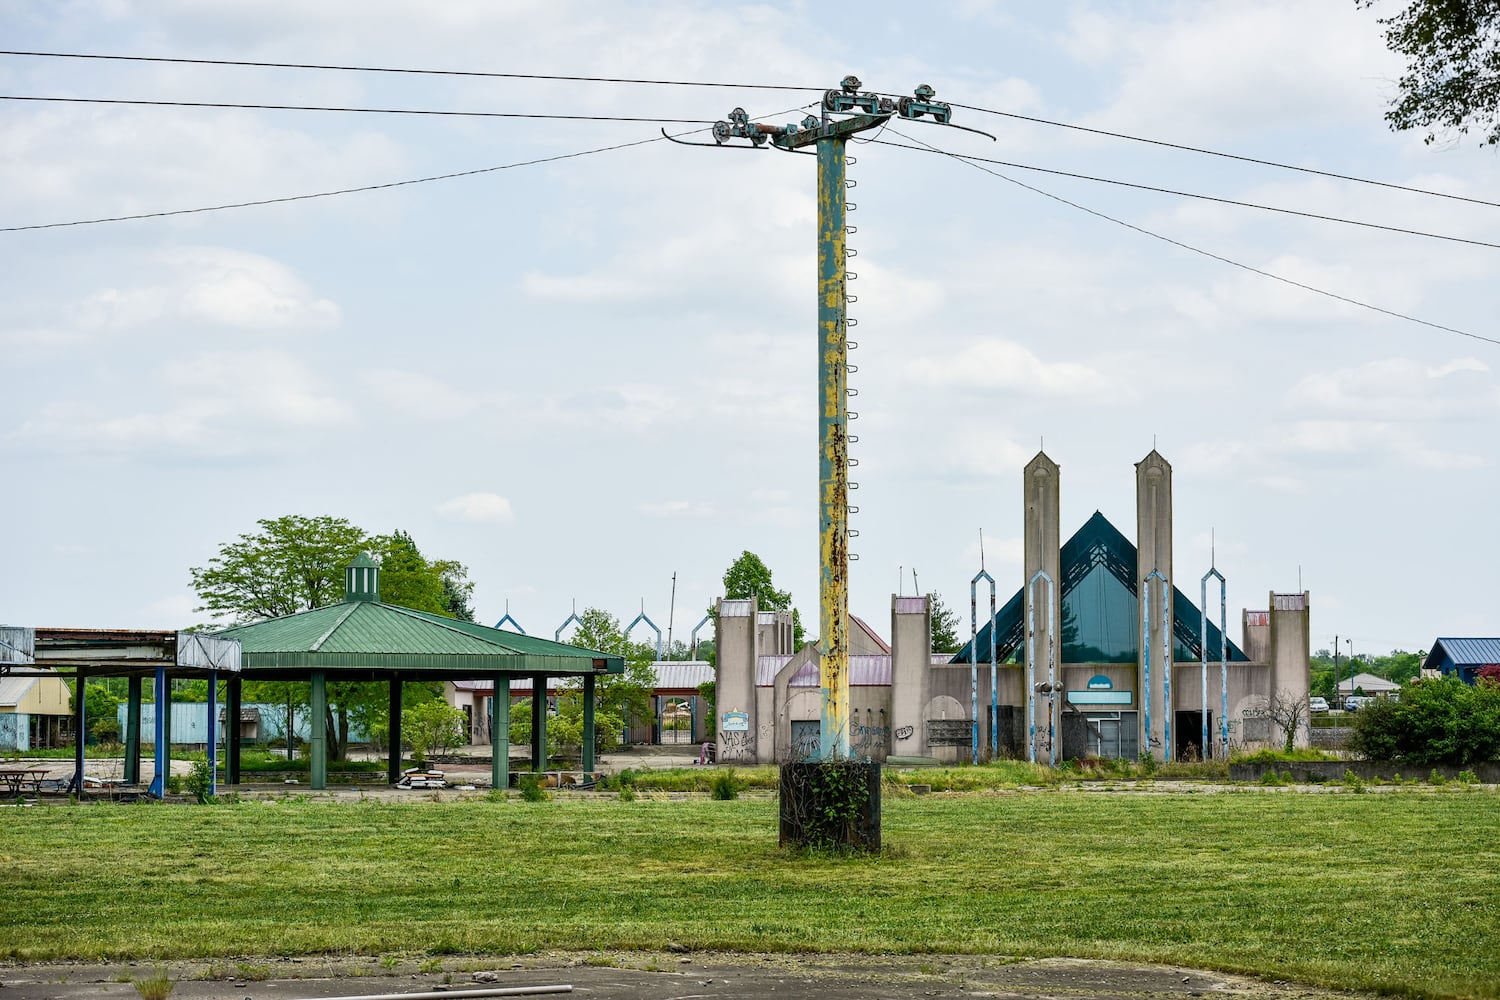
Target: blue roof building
pixel 1463 657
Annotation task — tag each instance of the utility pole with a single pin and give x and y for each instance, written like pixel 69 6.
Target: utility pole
pixel 863 111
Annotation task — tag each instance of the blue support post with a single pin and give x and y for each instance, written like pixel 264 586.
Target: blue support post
pixel 133 732
pixel 158 787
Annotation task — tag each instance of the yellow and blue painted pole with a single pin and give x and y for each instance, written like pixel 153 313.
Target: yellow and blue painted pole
pixel 833 451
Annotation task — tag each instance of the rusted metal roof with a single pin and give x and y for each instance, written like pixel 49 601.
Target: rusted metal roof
pixel 864 626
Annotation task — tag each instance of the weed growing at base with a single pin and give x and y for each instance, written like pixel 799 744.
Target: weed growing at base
pixel 1361 891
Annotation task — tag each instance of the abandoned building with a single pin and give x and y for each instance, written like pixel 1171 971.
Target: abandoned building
pixel 1086 671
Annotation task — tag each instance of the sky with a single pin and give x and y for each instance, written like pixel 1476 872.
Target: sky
pixel 582 377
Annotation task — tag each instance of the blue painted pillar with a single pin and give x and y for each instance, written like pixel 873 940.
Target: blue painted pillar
pixel 588 722
pixel 318 733
pixel 833 453
pixel 161 708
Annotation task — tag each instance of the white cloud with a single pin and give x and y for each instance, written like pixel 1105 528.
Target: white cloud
pixel 478 508
pixel 218 405
pixel 997 365
pixel 1403 389
pixel 676 508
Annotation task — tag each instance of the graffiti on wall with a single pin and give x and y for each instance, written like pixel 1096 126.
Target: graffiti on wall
pixel 905 732
pixel 735 744
pixel 871 737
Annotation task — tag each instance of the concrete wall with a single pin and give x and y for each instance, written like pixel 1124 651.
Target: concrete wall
pixel 736 647
pixel 1291 657
pixel 911 674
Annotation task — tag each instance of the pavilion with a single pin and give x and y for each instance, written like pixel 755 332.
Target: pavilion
pixel 362 639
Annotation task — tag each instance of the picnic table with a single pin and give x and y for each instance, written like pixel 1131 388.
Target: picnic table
pixel 17 779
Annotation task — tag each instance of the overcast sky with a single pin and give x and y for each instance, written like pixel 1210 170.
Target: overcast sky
pixel 581 377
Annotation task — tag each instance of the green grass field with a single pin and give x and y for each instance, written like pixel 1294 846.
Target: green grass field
pixel 1397 891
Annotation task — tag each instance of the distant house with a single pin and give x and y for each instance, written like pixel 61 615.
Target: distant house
pixel 1366 684
pixel 1463 657
pixel 34 712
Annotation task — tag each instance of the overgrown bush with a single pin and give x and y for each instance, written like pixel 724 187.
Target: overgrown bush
pixel 199 782
pixel 724 786
pixel 1435 722
pixel 531 788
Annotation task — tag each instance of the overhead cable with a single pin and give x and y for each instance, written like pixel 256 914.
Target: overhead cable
pixel 362 111
pixel 1034 119
pixel 330 194
pixel 414 72
pixel 1206 253
pixel 1182 147
pixel 1199 197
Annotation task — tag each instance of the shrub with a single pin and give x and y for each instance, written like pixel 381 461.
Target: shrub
pixel 1435 722
pixel 723 786
pixel 531 788
pixel 200 782
pixel 1353 781
pixel 432 725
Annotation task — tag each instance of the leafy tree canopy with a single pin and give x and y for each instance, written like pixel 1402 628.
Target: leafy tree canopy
pixel 1452 78
pixel 944 625
pixel 626 695
pixel 748 577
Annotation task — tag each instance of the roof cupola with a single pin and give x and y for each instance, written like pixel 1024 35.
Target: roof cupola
pixel 362 580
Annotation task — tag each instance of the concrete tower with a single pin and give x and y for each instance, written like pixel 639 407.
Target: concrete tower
pixel 911 674
pixel 1042 544
pixel 1153 533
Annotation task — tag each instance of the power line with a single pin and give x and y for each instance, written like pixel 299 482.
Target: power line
pixel 367 187
pixel 1200 197
pixel 414 72
pixel 330 194
pixel 1182 147
pixel 363 111
pixel 1205 253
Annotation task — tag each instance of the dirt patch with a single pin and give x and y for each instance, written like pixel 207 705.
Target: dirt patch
pixel 649 976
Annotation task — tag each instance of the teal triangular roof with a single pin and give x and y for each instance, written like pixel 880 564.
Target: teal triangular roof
pixel 1097 543
pixel 368 637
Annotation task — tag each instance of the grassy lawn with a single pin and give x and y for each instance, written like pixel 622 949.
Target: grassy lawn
pixel 1398 891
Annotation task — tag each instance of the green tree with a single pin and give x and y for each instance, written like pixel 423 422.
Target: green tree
pixel 748 576
pixel 432 725
pixel 944 625
pixel 297 563
pixel 1435 722
pixel 1452 78
pixel 292 564
pixel 626 695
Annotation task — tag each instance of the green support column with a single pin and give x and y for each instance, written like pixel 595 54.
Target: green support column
pixel 133 732
pixel 500 738
pixel 80 730
pixel 318 733
pixel 538 723
pixel 393 751
pixel 588 722
pixel 233 700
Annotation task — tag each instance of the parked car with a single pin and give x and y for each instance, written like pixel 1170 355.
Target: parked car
pixel 1317 705
pixel 1355 702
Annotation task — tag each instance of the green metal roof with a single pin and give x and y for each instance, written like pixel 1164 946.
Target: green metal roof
pixel 368 637
pixel 1098 542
